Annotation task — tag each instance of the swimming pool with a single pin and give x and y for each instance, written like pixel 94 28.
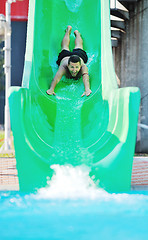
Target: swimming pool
pixel 72 207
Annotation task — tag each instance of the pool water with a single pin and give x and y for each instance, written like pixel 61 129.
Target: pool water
pixel 72 207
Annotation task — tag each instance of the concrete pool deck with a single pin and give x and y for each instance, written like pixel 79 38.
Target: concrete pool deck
pixel 8 174
pixel 140 173
pixel 9 179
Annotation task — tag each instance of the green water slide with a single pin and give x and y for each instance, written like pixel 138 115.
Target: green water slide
pixel 98 131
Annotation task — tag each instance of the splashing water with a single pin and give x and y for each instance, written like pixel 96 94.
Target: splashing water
pixel 74 183
pixel 69 183
pixel 72 207
pixel 73 5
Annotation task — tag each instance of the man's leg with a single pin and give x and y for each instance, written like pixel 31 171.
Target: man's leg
pixel 66 39
pixel 78 40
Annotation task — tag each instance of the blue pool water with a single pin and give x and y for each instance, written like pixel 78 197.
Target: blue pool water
pixel 72 207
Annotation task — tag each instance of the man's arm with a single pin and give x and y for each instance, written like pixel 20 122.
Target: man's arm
pixel 61 71
pixel 85 77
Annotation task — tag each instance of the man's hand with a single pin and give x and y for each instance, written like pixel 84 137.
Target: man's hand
pixel 87 93
pixel 50 92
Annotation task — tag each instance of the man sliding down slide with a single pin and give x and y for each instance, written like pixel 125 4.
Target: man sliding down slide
pixel 71 64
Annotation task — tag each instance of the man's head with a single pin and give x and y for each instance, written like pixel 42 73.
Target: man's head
pixel 74 65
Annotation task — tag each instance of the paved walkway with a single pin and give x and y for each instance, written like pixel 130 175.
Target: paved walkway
pixel 9 179
pixel 140 173
pixel 8 174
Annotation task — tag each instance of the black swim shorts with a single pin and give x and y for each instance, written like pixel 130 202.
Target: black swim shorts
pixel 77 51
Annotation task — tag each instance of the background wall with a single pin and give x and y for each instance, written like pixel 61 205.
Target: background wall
pixel 131 64
pixel 19 13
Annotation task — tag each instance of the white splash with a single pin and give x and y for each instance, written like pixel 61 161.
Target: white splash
pixel 69 183
pixel 75 183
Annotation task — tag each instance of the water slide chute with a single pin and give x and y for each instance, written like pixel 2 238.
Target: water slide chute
pixel 98 131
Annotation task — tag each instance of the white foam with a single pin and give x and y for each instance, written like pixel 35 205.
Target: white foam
pixel 75 183
pixel 69 183
pixel 72 184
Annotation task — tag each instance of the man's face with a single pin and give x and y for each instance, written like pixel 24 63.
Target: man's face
pixel 74 68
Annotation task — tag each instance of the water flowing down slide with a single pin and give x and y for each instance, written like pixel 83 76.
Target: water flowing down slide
pixel 98 131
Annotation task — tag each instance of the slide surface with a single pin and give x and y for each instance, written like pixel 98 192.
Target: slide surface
pixel 98 131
